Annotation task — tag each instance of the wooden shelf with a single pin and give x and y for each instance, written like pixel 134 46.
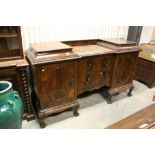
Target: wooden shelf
pixel 9 53
pixel 8 35
pixel 10 58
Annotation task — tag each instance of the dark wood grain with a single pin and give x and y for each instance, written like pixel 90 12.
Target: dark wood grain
pixel 60 76
pixel 124 69
pixel 145 68
pixel 143 119
pixel 81 42
pixel 145 72
pixel 57 83
pixel 96 71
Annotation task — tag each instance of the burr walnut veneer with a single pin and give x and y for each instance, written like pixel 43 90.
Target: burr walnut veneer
pixel 61 71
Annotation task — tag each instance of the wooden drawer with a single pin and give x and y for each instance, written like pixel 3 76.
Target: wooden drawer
pixel 94 72
pixel 107 62
pixel 102 73
pixel 85 69
pixel 56 83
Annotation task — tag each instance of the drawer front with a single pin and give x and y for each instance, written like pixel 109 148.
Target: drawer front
pixel 100 78
pixel 85 69
pixel 56 83
pixel 94 72
pixel 102 73
pixel 107 62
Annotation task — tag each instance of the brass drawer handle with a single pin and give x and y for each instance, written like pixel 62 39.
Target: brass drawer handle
pixel 71 83
pixel 105 64
pixel 101 73
pixel 86 81
pixel 89 66
pixel 57 67
pixel 104 75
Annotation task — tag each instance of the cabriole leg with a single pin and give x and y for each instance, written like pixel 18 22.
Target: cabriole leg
pixel 75 110
pixel 41 120
pixel 130 90
pixel 109 99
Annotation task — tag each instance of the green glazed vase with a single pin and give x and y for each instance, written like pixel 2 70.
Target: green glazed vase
pixel 11 107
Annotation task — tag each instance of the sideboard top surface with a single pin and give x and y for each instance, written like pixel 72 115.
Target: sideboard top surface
pixel 58 51
pixel 120 41
pixel 49 46
pixel 148 52
pixel 91 49
pixel 16 63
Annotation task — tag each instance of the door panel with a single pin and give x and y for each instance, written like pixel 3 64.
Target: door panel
pixel 57 83
pixel 124 69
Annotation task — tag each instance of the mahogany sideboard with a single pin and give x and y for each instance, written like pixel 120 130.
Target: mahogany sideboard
pixel 61 71
pixel 145 68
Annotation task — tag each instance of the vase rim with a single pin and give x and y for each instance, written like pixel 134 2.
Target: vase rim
pixel 5 90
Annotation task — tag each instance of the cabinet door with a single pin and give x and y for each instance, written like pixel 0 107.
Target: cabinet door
pixel 57 83
pixel 124 69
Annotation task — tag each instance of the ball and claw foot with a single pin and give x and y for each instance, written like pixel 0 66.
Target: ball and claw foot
pixel 129 94
pixel 75 110
pixel 76 113
pixel 109 98
pixel 41 120
pixel 130 90
pixel 109 101
pixel 42 124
